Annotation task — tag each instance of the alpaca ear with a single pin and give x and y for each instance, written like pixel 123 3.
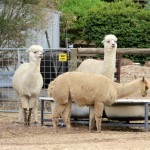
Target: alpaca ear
pixel 143 79
pixel 27 50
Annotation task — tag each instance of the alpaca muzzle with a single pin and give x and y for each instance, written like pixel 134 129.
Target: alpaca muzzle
pixel 41 56
pixel 144 94
pixel 113 45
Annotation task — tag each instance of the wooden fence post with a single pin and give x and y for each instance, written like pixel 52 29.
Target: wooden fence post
pixel 118 67
pixel 73 59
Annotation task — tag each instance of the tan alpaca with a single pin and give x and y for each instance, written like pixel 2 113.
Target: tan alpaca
pixel 87 89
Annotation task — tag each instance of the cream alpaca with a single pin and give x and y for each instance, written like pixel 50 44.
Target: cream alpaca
pixel 27 82
pixel 106 67
pixel 77 87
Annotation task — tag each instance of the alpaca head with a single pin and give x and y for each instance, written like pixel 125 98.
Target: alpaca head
pixel 145 86
pixel 110 42
pixel 35 52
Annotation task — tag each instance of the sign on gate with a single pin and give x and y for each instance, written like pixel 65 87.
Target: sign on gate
pixel 62 57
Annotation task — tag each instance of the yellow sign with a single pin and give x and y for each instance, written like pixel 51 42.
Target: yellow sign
pixel 62 57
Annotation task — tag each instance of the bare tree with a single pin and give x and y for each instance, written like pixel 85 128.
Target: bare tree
pixel 17 19
pixel 18 16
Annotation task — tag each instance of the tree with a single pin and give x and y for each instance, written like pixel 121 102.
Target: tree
pixel 17 17
pixel 72 18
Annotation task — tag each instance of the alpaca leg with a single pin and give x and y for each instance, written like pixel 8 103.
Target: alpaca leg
pixel 58 109
pixel 29 116
pixel 20 115
pixel 35 112
pixel 23 105
pixel 25 117
pixel 66 115
pixel 33 104
pixel 98 110
pixel 92 118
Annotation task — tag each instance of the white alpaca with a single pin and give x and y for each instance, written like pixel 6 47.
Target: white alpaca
pixel 106 67
pixel 87 89
pixel 27 82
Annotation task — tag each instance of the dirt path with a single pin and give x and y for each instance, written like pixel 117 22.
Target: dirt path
pixel 18 137
pixel 43 138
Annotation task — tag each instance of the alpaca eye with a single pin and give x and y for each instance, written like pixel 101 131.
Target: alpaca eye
pixel 108 41
pixel 35 52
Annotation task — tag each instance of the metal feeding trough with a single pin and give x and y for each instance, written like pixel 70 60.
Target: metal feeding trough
pixel 122 109
pixel 128 109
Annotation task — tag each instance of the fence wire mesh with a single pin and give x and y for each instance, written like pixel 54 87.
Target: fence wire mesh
pixel 53 63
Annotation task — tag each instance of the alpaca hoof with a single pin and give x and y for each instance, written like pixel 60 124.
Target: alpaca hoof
pixel 25 124
pixel 69 129
pixel 90 131
pixel 98 131
pixel 16 122
pixel 36 124
pixel 55 130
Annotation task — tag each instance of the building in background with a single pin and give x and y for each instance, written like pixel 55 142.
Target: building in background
pixel 53 31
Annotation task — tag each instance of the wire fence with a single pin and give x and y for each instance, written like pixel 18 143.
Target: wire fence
pixel 53 63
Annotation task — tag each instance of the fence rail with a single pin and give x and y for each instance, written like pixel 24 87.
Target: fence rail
pixel 119 50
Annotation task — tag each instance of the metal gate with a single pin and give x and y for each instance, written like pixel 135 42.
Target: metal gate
pixel 54 63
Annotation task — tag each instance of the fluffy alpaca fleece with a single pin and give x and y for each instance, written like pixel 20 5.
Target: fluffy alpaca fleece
pixel 106 67
pixel 92 90
pixel 27 82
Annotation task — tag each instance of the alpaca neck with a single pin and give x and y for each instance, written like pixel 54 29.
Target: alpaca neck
pixel 109 63
pixel 32 72
pixel 128 89
pixel 34 66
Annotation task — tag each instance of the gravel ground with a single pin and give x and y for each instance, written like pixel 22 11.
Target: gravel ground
pixel 128 72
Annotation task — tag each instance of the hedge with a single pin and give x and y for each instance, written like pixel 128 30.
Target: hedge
pixel 127 20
